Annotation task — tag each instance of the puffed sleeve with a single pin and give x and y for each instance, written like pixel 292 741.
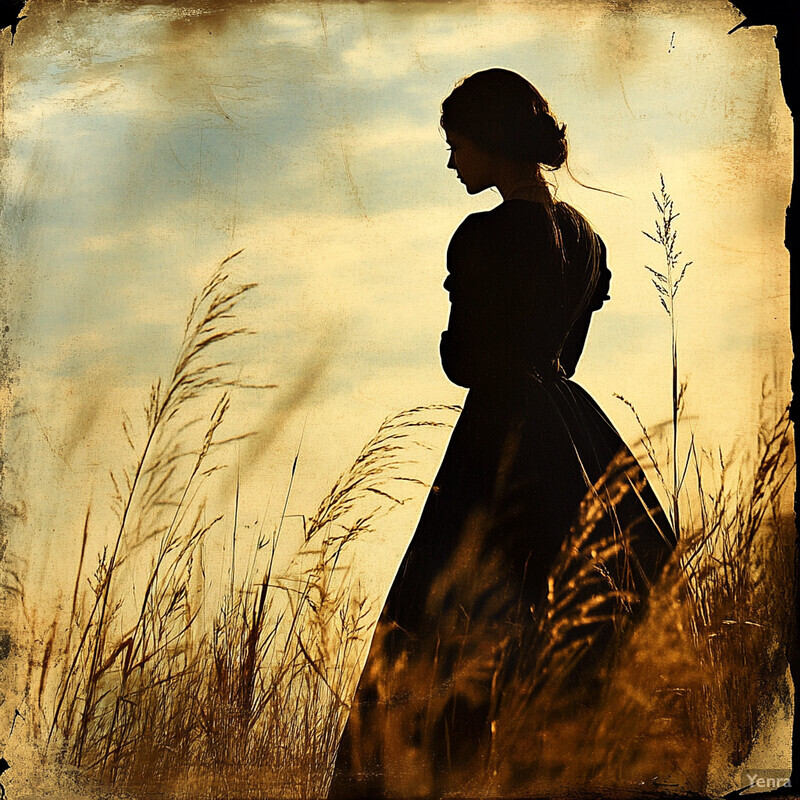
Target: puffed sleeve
pixel 471 347
pixel 576 339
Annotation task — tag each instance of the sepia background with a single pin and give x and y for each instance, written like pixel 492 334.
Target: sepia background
pixel 143 144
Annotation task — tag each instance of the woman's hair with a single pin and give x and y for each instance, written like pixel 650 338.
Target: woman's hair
pixel 503 113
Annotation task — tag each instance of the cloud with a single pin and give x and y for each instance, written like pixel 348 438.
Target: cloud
pixel 34 107
pixel 428 42
pixel 384 133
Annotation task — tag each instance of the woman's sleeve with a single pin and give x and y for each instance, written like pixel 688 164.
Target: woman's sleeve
pixel 576 339
pixel 470 348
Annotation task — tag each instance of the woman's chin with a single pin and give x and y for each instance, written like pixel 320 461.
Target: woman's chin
pixel 472 187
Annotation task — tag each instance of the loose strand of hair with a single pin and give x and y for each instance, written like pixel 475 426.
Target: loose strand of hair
pixel 593 188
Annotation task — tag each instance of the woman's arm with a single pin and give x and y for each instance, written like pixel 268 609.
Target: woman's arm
pixel 471 348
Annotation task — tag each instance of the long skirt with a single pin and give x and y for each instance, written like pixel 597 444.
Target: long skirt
pixel 535 551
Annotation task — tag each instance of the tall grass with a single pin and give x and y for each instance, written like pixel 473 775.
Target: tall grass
pixel 666 284
pixel 105 674
pixel 156 681
pixel 737 567
pixel 697 677
pixel 736 561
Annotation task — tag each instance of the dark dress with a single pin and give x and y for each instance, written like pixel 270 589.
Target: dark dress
pixel 536 484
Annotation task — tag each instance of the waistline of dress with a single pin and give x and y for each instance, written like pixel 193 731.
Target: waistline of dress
pixel 512 388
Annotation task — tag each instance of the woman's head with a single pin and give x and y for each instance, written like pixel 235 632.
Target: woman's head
pixel 503 114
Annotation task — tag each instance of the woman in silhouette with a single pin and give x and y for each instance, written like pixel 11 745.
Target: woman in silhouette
pixel 536 482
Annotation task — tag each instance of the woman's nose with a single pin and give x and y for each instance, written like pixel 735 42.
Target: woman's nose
pixel 451 163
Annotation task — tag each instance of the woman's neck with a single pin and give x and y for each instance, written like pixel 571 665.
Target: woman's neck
pixel 516 180
pixel 531 190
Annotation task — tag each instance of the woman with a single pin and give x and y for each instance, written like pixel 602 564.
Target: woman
pixel 537 494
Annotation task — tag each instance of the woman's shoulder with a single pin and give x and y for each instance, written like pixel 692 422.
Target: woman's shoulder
pixel 493 221
pixel 529 210
pixel 518 220
pixel 474 230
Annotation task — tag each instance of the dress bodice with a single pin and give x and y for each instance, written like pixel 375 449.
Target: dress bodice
pixel 524 279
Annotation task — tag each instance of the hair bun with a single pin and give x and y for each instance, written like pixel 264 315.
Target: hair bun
pixel 548 140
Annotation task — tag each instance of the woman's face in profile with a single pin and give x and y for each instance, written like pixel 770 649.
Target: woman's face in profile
pixel 474 166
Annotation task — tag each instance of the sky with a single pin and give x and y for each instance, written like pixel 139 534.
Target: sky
pixel 145 143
